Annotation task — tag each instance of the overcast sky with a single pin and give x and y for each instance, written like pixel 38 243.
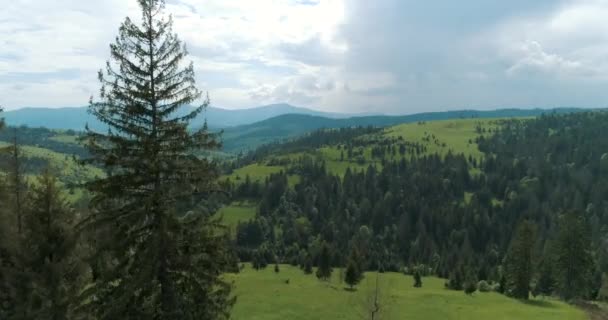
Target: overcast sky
pixel 388 56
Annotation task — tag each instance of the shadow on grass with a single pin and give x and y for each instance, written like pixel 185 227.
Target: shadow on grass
pixel 539 303
pixel 350 289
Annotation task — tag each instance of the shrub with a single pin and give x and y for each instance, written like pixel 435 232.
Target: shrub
pixel 484 286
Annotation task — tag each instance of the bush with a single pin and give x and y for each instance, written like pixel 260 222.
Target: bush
pixel 470 287
pixel 484 286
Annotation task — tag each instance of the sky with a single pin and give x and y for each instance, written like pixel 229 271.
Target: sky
pixel 353 56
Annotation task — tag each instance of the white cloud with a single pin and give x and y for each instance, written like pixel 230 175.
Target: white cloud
pixel 392 56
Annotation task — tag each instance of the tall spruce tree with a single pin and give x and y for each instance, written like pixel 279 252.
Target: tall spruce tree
pixel 48 257
pixel 573 259
pixel 158 254
pixel 518 262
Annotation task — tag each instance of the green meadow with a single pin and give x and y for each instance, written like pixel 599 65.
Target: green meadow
pixel 236 212
pixel 290 294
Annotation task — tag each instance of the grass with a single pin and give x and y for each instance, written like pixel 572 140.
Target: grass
pixel 237 212
pixel 443 136
pixel 266 295
pixel 66 138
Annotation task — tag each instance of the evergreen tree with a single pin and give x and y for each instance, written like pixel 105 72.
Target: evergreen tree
pixel 417 279
pixel 324 268
pixel 574 263
pixel 353 274
pixel 545 284
pixel 518 266
pixel 159 253
pixel 455 281
pixel 48 251
pixel 470 283
pixel 308 265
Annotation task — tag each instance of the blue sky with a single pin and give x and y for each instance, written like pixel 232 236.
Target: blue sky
pixel 382 56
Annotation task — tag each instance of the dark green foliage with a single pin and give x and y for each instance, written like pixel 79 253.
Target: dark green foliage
pixel 48 258
pixel 417 279
pixel 276 268
pixel 456 279
pixel 158 252
pixel 259 260
pixel 324 269
pixel 353 275
pixel 603 293
pixel 573 260
pixel 308 265
pixel 470 287
pixel 502 284
pixel 518 262
pixel 470 283
pixel 545 283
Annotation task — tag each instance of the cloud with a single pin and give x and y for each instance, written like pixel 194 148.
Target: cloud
pixel 390 56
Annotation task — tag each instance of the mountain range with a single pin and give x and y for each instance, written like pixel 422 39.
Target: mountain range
pixel 246 129
pixel 76 118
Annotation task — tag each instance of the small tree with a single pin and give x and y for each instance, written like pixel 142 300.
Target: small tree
pixel 455 280
pixel 470 287
pixel 276 268
pixel 324 269
pixel 518 262
pixel 353 276
pixel 470 283
pixel 417 279
pixel 308 265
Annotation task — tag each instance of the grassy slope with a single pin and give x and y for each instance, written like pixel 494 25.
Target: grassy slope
pixel 265 295
pixel 63 166
pixel 456 135
pixel 237 212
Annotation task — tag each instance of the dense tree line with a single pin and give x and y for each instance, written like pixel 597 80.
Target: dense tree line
pixel 44 138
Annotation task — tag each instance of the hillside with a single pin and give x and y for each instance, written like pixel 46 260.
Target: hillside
pixel 444 196
pixel 248 137
pixel 363 149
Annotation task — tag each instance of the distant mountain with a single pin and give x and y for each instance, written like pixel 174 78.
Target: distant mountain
pixel 250 136
pixel 76 118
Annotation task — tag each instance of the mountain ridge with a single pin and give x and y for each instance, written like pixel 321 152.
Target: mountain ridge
pixel 75 118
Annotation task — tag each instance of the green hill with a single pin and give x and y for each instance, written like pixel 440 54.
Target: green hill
pixel 248 137
pixel 457 136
